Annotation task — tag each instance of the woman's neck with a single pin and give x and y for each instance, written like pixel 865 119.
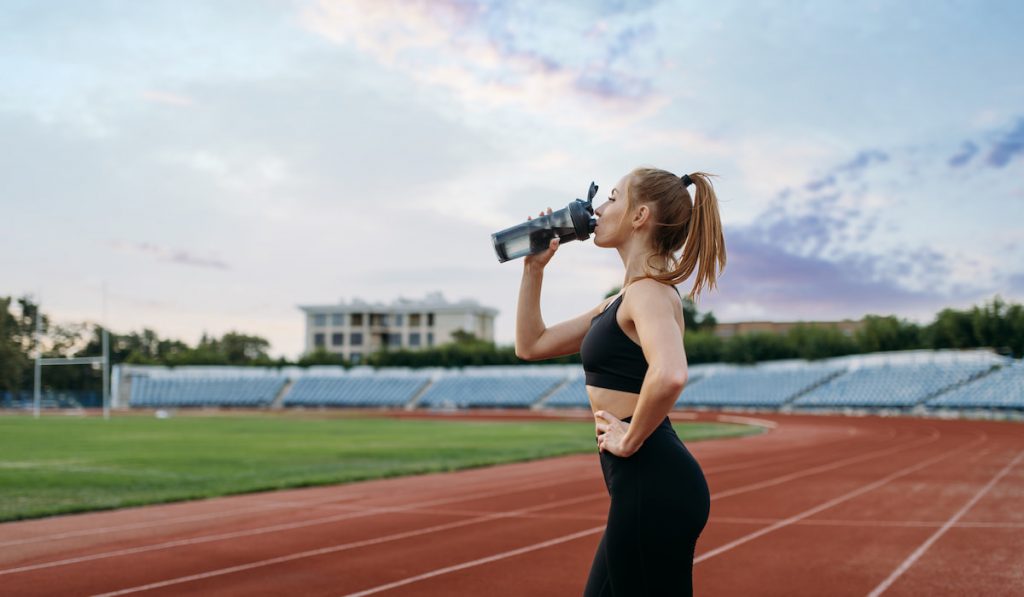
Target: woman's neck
pixel 634 257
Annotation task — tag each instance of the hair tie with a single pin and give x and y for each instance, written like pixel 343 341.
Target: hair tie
pixel 687 181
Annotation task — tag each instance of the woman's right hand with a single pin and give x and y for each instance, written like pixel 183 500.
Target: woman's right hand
pixel 539 260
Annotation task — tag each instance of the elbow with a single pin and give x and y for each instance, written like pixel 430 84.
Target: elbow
pixel 523 354
pixel 678 382
pixel 675 380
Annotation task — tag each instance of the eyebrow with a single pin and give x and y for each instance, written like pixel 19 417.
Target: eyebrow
pixel 613 191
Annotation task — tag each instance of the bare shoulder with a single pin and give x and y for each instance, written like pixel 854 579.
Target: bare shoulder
pixel 652 299
pixel 650 292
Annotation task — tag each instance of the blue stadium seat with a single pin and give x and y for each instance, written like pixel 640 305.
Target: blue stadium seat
pixel 1002 388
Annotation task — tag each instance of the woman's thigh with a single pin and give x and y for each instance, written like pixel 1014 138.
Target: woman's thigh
pixel 659 506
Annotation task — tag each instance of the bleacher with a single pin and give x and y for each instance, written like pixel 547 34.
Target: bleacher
pixel 474 391
pixel 754 386
pixel 1002 388
pixel 205 391
pixel 890 385
pixel 903 380
pixel 571 395
pixel 376 390
pixel 574 393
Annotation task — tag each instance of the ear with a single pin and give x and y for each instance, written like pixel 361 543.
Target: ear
pixel 641 215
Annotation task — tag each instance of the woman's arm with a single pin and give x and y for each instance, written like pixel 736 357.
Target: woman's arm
pixel 653 310
pixel 534 341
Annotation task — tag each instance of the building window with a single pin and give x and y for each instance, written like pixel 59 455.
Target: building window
pixel 384 319
pixel 337 339
pixel 338 319
pixel 356 358
pixel 414 319
pixel 430 319
pixel 356 339
pixel 357 320
pixel 414 339
pixel 318 340
pixel 319 320
pixel 393 340
pixel 430 338
pixel 398 319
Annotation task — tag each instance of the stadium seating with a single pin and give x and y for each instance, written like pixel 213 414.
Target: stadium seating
pixel 753 386
pixel 890 385
pixel 571 395
pixel 945 379
pixel 205 391
pixel 1002 388
pixel 461 391
pixel 367 390
pixel 574 393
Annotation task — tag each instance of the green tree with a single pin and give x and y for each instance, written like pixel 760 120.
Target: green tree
pixel 880 333
pixel 813 342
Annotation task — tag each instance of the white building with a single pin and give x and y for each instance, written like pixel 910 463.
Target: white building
pixel 358 328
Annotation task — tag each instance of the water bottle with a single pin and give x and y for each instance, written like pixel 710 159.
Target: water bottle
pixel 573 222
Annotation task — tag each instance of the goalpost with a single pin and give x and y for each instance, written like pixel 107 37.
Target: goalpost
pixel 103 361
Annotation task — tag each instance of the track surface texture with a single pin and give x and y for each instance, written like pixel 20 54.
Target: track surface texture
pixel 817 505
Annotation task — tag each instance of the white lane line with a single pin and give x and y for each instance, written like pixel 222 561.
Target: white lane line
pixel 232 511
pixel 289 526
pixel 237 511
pixel 832 502
pixel 478 562
pixel 331 549
pixel 765 423
pixel 716 495
pixel 344 546
pixel 278 527
pixel 907 563
pixel 832 522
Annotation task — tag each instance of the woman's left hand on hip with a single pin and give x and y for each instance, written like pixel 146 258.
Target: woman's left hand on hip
pixel 611 435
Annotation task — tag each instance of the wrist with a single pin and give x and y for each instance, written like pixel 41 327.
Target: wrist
pixel 532 269
pixel 631 443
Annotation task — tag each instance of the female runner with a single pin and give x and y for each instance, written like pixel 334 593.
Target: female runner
pixel 632 351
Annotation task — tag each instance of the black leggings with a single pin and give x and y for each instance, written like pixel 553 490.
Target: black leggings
pixel 659 506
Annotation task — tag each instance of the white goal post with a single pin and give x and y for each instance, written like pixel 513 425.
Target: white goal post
pixel 103 361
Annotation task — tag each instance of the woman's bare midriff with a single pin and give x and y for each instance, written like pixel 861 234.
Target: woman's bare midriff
pixel 616 402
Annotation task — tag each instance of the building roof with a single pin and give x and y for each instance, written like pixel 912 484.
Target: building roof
pixel 433 301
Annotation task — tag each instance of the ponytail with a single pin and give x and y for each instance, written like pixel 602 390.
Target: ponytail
pixel 695 226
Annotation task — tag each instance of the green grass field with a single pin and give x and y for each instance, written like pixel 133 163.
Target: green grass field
pixel 72 464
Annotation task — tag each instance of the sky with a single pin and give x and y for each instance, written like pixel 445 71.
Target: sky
pixel 198 167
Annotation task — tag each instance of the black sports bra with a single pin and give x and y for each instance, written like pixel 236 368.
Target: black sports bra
pixel 611 359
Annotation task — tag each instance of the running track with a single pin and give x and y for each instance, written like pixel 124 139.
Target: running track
pixel 819 505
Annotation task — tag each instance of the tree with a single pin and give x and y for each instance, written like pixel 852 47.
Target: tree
pixel 880 333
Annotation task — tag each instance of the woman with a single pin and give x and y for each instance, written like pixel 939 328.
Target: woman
pixel 635 364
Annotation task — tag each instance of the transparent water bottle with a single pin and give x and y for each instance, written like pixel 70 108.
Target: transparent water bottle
pixel 574 222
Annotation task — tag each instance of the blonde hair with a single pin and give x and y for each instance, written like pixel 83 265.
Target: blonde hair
pixel 679 222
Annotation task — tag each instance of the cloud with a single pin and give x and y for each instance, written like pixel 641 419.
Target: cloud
pixel 967 151
pixel 168 254
pixel 1009 145
pixel 782 283
pixel 861 161
pixel 164 97
pixel 465 48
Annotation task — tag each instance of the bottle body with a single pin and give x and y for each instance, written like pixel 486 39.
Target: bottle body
pixel 532 236
pixel 573 222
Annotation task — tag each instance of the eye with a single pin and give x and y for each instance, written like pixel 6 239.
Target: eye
pixel 611 198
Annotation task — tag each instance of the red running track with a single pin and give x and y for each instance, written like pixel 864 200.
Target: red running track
pixel 819 505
